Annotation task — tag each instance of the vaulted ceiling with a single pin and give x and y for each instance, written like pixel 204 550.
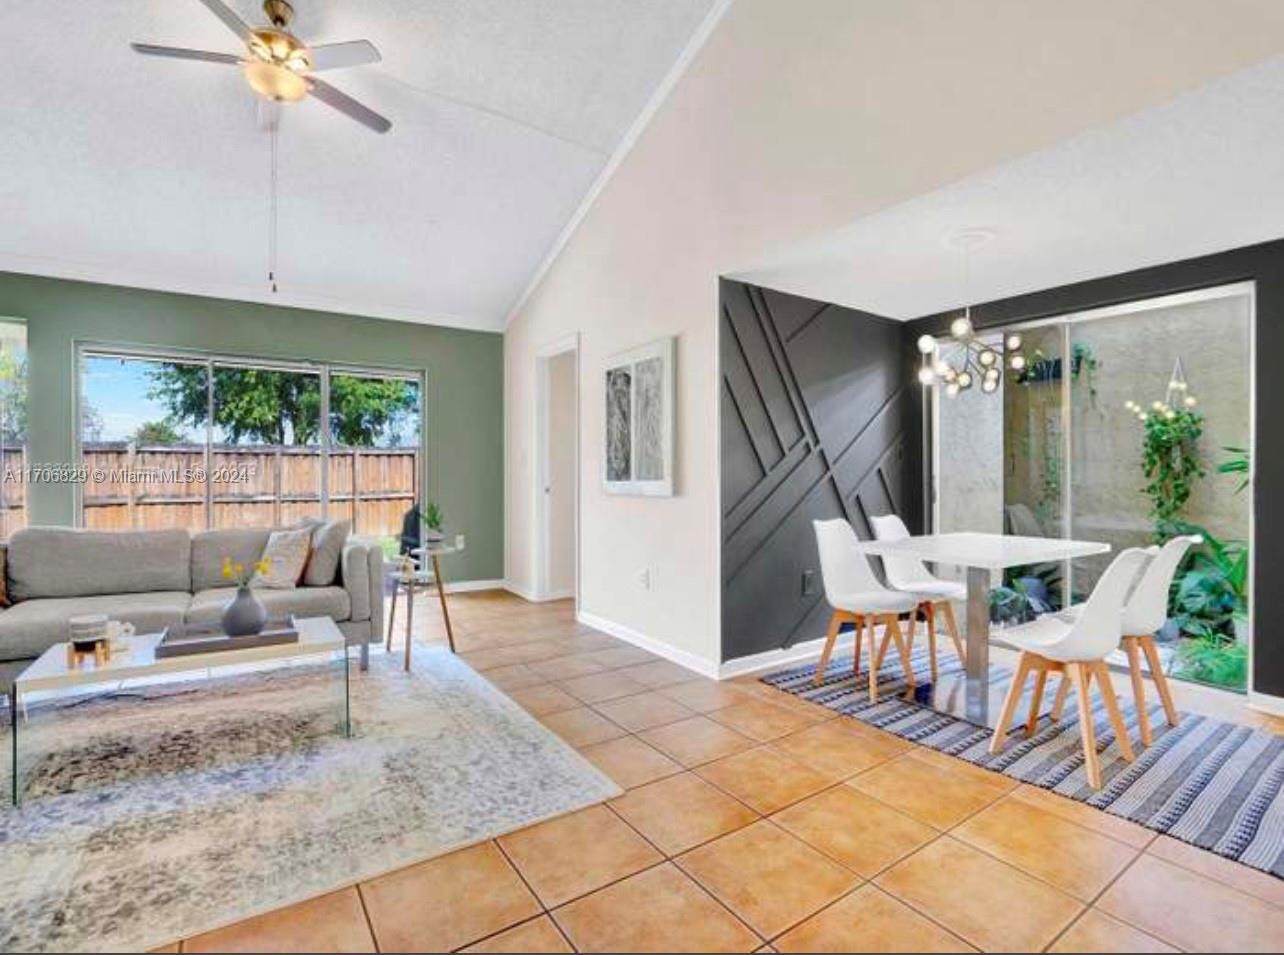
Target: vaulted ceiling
pixel 139 171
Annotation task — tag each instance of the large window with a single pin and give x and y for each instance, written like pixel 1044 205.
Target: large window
pixel 13 426
pixel 205 442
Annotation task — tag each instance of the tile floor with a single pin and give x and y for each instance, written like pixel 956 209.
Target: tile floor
pixel 753 820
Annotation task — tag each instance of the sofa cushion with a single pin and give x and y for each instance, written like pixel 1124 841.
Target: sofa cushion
pixel 328 539
pixel 244 545
pixel 65 562
pixel 29 628
pixel 208 605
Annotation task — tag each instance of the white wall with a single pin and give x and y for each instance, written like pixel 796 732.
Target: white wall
pixel 561 473
pixel 795 119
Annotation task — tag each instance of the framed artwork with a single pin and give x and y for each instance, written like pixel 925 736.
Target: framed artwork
pixel 638 389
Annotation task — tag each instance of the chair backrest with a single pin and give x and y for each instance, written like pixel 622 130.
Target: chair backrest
pixel 1097 629
pixel 902 572
pixel 1147 608
pixel 843 568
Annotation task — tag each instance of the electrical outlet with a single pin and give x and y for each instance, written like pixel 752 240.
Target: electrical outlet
pixel 644 579
pixel 808 583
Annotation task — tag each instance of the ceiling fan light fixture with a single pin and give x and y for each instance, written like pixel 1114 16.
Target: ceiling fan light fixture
pixel 275 82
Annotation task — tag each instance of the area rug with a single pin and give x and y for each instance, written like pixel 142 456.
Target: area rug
pixel 1212 784
pixel 171 810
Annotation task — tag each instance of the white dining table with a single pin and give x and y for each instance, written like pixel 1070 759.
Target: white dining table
pixel 982 555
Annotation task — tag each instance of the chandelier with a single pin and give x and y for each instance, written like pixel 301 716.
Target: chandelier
pixel 971 361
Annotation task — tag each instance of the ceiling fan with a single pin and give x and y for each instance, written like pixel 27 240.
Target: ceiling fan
pixel 278 66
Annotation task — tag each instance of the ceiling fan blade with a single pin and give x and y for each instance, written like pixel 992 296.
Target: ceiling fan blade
pixel 229 17
pixel 333 56
pixel 348 106
pixel 179 53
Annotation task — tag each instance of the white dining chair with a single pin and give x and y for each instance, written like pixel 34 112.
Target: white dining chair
pixel 1077 650
pixel 910 575
pixel 1145 611
pixel 858 598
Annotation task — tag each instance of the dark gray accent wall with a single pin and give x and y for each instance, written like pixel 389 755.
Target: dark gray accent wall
pixel 1264 265
pixel 816 422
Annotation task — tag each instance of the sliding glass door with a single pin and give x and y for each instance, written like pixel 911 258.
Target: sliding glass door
pixel 1127 425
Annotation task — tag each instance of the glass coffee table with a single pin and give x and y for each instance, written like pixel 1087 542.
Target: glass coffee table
pixel 52 680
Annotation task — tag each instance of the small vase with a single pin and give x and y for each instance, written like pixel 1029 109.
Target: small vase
pixel 245 615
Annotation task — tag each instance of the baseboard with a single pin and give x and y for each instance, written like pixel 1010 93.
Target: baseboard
pixel 465 586
pixel 771 659
pixel 1265 703
pixel 529 595
pixel 697 665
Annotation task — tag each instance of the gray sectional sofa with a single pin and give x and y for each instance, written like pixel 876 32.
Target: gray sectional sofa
pixel 164 578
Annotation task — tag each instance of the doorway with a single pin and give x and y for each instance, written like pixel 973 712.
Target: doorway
pixel 557 472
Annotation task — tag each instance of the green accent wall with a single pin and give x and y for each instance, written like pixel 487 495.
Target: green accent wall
pixel 463 399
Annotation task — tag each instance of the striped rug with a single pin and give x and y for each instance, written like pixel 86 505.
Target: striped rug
pixel 1212 784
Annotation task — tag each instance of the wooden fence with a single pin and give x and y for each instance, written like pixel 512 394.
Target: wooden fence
pixel 159 487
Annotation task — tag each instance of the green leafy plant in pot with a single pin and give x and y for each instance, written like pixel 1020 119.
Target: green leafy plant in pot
pixel 433 521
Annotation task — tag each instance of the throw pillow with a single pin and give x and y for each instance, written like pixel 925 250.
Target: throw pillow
pixel 327 548
pixel 287 556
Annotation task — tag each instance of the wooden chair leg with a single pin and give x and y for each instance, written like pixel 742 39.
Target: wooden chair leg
pixel 1108 696
pixel 931 636
pixel 1032 720
pixel 874 661
pixel 1161 680
pixel 831 638
pixel 857 645
pixel 1138 688
pixel 1087 730
pixel 952 626
pixel 907 664
pixel 1059 702
pixel 882 648
pixel 1024 663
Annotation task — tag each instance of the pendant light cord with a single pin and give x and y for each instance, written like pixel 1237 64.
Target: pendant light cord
pixel 272 216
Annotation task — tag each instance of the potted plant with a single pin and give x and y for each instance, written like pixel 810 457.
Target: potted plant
pixel 245 614
pixel 432 523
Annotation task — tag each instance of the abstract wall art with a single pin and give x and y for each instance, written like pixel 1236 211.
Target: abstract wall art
pixel 637 456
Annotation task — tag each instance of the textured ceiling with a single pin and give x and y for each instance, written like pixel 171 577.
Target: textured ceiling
pixel 147 172
pixel 1199 174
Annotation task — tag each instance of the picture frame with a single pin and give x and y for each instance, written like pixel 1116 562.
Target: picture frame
pixel 640 415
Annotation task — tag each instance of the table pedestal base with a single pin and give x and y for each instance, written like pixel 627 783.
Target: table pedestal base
pixel 951 694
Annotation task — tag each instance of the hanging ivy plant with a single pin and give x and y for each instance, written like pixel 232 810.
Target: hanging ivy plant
pixel 1170 460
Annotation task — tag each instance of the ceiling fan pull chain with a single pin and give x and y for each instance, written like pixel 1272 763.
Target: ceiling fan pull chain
pixel 272 215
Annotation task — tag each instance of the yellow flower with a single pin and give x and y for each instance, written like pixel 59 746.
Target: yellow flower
pixel 227 568
pixel 264 566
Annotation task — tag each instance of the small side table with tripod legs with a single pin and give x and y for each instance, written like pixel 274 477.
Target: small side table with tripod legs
pixel 410 576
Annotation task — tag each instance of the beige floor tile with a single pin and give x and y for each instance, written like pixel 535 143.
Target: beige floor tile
pixel 855 829
pixel 582 726
pixel 566 667
pixel 705 696
pixel 587 640
pixel 841 747
pixel 919 788
pixel 515 676
pixel 659 674
pixel 767 877
pixel 1074 859
pixel 696 740
pixel 447 902
pixel 765 779
pixel 544 698
pixel 869 920
pixel 659 910
pixel 760 720
pixel 575 854
pixel 171 947
pixel 621 656
pixel 331 923
pixel 987 903
pixel 681 812
pixel 599 687
pixel 1192 911
pixel 1087 816
pixel 643 711
pixel 1097 932
pixel 630 762
pixel 1266 887
pixel 537 935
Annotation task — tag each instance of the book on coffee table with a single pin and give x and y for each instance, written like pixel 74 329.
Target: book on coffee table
pixel 214 640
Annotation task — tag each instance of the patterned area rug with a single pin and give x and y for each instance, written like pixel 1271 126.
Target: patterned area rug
pixel 1212 784
pixel 175 809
